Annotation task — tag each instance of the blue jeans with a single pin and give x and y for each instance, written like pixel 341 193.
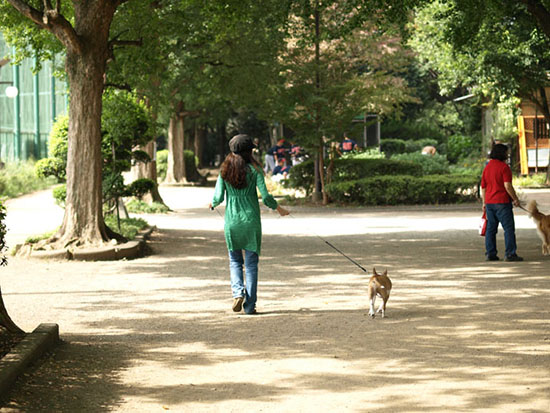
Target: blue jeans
pixel 237 280
pixel 500 213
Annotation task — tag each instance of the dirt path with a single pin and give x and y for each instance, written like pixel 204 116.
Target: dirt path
pixel 157 333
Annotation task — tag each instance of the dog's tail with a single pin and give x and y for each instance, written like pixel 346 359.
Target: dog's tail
pixel 533 210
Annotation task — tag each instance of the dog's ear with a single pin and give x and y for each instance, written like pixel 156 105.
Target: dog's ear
pixel 386 271
pixel 374 271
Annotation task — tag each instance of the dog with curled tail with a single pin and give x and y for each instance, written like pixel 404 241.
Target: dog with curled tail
pixel 379 285
pixel 543 225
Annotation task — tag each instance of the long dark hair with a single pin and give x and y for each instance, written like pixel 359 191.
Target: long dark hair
pixel 235 168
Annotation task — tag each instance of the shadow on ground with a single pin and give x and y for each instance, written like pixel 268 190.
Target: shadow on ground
pixel 460 332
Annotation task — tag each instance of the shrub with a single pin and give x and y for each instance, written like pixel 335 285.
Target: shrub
pixel 129 227
pixel 369 153
pixel 60 195
pixel 301 176
pixel 392 146
pixel 436 164
pixel 140 207
pixel 139 187
pixel 393 190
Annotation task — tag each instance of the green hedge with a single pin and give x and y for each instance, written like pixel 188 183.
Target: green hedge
pixel 393 190
pixel 399 146
pixel 430 164
pixel 393 146
pixel 301 176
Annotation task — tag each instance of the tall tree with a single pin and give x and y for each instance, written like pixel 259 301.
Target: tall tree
pixel 339 63
pixel 83 29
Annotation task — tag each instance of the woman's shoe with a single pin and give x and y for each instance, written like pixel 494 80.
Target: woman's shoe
pixel 237 304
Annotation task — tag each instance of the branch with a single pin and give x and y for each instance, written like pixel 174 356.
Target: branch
pixel 540 13
pixel 117 3
pixel 51 20
pixel 117 86
pixel 115 42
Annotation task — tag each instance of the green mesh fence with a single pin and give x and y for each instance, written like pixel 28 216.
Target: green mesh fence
pixel 26 120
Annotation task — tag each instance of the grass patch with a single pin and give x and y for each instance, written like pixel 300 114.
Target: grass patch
pixel 33 239
pixel 19 178
pixel 140 207
pixel 129 227
pixel 530 181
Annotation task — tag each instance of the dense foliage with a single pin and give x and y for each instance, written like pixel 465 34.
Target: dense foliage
pixel 405 189
pixel 126 124
pixel 301 175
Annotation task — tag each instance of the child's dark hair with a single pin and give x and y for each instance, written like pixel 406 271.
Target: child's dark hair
pixel 499 152
pixel 234 168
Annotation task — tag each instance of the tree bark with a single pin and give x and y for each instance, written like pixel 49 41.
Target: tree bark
pixel 5 319
pixel 87 50
pixel 83 220
pixel 176 161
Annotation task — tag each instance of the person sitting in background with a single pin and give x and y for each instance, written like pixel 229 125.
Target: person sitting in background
pixel 283 150
pixel 429 150
pixel 281 170
pixel 347 145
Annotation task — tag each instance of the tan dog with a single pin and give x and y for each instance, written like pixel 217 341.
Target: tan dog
pixel 379 284
pixel 543 225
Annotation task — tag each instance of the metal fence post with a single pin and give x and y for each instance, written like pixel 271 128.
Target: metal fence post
pixel 36 90
pixel 17 114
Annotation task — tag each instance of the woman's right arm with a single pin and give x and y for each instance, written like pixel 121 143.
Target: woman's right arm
pixel 219 192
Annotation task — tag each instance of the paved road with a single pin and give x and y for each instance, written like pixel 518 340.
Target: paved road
pixel 157 333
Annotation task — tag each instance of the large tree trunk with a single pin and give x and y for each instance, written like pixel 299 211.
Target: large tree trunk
pixel 5 319
pixel 83 221
pixel 176 160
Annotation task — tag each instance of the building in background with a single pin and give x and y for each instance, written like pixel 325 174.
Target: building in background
pixel 533 138
pixel 27 118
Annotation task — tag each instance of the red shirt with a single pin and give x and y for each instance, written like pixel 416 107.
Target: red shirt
pixel 494 175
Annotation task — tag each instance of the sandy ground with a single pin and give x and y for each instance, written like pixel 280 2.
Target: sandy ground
pixel 157 333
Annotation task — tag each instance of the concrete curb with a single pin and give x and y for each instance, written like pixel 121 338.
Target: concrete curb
pixel 129 250
pixel 27 351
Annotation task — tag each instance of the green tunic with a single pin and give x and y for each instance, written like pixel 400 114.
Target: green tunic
pixel 243 226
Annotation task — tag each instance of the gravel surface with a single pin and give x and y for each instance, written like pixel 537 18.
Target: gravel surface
pixel 157 333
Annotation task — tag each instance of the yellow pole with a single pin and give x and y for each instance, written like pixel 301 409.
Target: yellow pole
pixel 522 146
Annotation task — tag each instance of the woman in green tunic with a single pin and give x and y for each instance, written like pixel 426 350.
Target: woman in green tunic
pixel 239 177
